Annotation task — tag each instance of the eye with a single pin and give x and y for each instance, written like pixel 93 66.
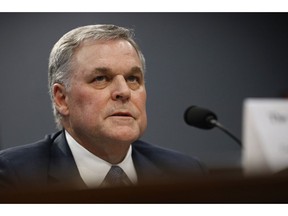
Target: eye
pixel 133 79
pixel 134 82
pixel 100 79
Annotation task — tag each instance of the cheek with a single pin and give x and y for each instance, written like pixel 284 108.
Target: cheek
pixel 140 100
pixel 84 101
pixel 80 98
pixel 141 105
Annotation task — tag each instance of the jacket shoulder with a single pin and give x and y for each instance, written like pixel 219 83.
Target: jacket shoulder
pixel 28 151
pixel 25 163
pixel 168 158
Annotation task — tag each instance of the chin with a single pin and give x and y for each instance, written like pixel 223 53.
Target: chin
pixel 125 136
pixel 129 139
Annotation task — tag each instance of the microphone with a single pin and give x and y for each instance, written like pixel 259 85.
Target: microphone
pixel 205 119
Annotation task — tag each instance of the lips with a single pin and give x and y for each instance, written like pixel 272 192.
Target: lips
pixel 122 114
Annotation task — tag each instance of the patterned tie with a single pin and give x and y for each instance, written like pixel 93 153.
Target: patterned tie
pixel 116 177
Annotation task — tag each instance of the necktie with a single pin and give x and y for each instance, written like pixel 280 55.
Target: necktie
pixel 116 177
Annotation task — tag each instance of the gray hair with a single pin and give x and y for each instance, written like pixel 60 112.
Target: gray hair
pixel 60 60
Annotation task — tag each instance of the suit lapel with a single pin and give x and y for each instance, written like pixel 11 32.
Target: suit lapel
pixel 146 170
pixel 63 172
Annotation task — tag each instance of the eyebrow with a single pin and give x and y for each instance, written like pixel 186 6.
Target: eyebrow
pixel 107 70
pixel 136 69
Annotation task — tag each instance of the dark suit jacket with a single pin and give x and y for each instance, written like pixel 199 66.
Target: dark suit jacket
pixel 49 163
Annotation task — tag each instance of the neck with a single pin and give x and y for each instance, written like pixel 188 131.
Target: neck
pixel 111 151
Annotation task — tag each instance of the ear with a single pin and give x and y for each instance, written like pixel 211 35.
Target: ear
pixel 60 99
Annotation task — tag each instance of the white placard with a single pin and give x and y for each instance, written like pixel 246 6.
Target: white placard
pixel 265 136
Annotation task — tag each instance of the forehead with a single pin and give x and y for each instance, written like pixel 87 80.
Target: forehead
pixel 111 53
pixel 103 47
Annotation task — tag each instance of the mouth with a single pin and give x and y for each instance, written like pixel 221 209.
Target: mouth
pixel 122 114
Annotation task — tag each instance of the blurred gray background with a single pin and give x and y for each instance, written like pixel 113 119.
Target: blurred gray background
pixel 214 60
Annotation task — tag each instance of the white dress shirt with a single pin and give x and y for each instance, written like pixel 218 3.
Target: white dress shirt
pixel 93 169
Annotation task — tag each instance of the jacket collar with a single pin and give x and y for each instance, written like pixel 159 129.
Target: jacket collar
pixel 63 172
pixel 147 171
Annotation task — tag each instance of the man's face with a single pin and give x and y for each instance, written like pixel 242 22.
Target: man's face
pixel 106 100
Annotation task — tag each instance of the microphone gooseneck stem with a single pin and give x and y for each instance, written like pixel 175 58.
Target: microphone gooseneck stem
pixel 218 125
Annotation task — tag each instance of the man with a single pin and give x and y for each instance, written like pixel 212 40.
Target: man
pixel 97 87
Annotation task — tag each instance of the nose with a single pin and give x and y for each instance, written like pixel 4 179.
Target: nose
pixel 121 90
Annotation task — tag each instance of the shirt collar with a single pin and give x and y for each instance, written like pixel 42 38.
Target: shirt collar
pixel 93 169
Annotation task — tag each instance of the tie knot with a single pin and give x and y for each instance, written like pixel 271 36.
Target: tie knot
pixel 116 177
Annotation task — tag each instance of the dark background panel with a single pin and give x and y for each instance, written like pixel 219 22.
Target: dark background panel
pixel 214 60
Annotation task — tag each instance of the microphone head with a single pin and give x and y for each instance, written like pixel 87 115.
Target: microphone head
pixel 199 117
